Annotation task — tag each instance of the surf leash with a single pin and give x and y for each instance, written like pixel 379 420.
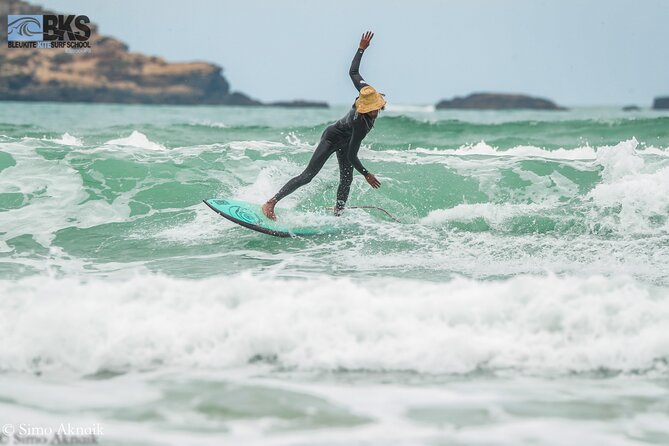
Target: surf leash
pixel 374 208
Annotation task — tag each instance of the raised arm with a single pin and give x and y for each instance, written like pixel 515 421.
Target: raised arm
pixel 354 72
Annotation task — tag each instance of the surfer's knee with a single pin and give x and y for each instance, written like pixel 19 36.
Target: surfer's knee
pixel 346 173
pixel 306 177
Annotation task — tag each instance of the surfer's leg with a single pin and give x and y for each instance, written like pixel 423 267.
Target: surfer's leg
pixel 318 159
pixel 345 180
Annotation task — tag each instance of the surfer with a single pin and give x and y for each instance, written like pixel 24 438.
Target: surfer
pixel 343 138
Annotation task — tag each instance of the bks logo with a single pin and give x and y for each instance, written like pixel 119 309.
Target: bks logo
pixel 36 28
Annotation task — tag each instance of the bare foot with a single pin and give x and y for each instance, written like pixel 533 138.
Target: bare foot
pixel 268 209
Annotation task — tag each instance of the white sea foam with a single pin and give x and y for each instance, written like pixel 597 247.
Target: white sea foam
pixel 636 191
pixel 482 148
pixel 237 149
pixel 69 140
pixel 620 160
pixel 137 140
pixel 525 325
pixel 294 140
pixel 209 123
pixel 493 213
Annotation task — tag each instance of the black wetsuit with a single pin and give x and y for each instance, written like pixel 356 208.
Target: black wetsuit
pixel 344 138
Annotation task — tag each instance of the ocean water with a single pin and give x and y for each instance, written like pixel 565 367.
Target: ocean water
pixel 521 299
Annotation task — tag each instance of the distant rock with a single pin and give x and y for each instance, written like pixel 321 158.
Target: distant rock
pixel 661 103
pixel 498 101
pixel 631 108
pixel 299 104
pixel 109 73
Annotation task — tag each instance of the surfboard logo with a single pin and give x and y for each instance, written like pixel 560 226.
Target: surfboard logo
pixel 24 28
pixel 48 28
pixel 245 215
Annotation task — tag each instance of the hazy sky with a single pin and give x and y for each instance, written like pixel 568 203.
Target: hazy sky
pixel 576 52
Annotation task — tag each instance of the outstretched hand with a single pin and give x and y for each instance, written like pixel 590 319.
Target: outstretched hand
pixel 371 179
pixel 365 40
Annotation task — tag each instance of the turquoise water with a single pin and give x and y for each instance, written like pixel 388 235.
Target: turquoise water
pixel 523 290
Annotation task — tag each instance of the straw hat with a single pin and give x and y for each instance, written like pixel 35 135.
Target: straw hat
pixel 369 100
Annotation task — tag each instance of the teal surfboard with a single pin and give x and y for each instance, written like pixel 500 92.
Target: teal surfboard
pixel 251 216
